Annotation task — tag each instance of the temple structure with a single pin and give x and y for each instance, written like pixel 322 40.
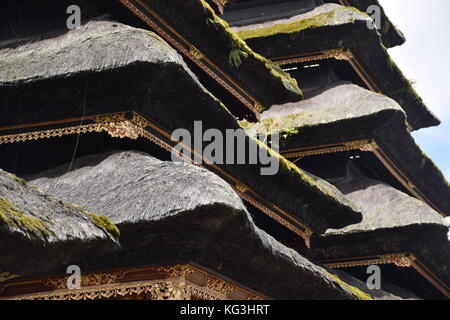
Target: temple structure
pixel 87 143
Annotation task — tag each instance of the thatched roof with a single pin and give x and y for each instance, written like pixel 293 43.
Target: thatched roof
pixel 332 27
pixel 390 34
pixel 393 222
pixel 340 101
pixel 111 183
pixel 384 207
pixel 82 50
pixel 118 79
pixel 214 38
pixel 344 112
pixel 179 212
pixel 39 232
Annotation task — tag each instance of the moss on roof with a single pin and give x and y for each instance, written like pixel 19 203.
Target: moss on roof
pixel 357 292
pixel 101 222
pixel 320 20
pixel 320 185
pixel 340 101
pixel 239 44
pixel 10 215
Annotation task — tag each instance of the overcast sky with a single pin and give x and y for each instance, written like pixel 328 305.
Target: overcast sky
pixel 424 58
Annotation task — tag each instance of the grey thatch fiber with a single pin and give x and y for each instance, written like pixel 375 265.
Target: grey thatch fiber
pixel 133 187
pixel 39 232
pixel 340 101
pixel 178 211
pixel 384 207
pixel 342 16
pixel 72 53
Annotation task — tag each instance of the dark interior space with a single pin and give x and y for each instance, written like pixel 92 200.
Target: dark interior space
pixel 275 229
pixel 246 12
pixel 30 157
pixel 316 75
pixel 340 164
pixel 406 278
pixel 21 20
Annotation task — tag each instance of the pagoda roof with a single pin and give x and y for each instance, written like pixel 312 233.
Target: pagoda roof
pixel 344 117
pixel 341 33
pixel 390 34
pixel 177 212
pixel 207 40
pixel 39 232
pixel 384 207
pixel 108 90
pixel 393 223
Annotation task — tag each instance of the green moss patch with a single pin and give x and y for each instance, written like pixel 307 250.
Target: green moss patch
pixel 10 215
pixel 320 20
pixel 101 222
pixel 236 43
pixel 361 295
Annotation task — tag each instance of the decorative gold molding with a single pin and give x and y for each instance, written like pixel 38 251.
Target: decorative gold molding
pixel 338 54
pixel 4 276
pixel 404 260
pixel 258 107
pixel 240 187
pixel 196 53
pixel 219 285
pixel 363 145
pixel 172 285
pixel 88 280
pixel 177 271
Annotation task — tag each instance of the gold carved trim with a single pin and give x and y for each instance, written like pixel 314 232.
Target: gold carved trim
pixel 172 285
pixel 363 145
pixel 196 53
pixel 241 187
pixel 219 285
pixel 114 124
pixel 338 54
pixel 404 260
pixel 4 276
pixel 88 280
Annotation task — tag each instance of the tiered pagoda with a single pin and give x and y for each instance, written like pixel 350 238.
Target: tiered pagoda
pixel 86 143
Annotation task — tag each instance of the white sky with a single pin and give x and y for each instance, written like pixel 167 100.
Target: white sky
pixel 425 58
